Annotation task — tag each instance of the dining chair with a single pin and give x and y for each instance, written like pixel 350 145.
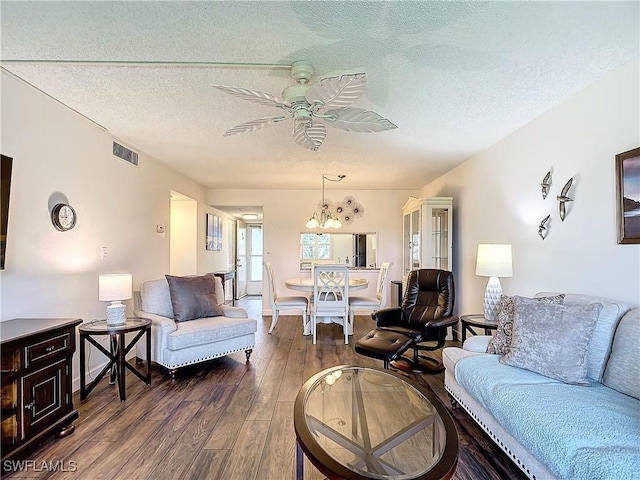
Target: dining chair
pixel 278 304
pixel 372 303
pixel 331 296
pixel 316 262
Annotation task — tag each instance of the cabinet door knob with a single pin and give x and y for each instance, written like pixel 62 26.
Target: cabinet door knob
pixel 30 406
pixel 50 349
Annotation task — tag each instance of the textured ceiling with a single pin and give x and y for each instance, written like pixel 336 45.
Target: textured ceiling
pixel 455 77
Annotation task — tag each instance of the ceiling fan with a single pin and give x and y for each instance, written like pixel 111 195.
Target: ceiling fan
pixel 313 106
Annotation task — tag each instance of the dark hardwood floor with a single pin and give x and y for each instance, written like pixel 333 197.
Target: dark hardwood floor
pixel 225 419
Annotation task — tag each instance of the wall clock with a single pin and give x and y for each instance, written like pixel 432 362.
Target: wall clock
pixel 63 217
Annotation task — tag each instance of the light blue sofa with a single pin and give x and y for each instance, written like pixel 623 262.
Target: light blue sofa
pixel 555 430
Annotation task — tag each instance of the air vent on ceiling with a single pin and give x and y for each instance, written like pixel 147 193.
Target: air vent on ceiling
pixel 125 153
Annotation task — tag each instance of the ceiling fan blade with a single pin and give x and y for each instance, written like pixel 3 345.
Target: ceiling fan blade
pixel 357 120
pixel 254 125
pixel 337 92
pixel 253 96
pixel 309 135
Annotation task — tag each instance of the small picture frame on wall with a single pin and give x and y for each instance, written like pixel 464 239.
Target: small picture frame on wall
pixel 214 232
pixel 628 196
pixel 217 233
pixel 209 231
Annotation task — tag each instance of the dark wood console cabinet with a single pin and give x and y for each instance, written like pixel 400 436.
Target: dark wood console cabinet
pixel 37 399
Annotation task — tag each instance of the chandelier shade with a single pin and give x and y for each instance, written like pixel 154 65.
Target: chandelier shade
pixel 325 216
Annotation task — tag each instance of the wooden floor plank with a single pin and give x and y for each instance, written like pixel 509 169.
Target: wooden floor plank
pixel 207 464
pixel 107 466
pixel 278 457
pixel 226 419
pixel 244 459
pixel 143 462
pixel 83 457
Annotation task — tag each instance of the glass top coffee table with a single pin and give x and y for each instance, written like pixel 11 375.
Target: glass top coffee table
pixel 365 423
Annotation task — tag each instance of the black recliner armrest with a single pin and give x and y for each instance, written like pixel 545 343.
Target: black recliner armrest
pixel 388 316
pixel 443 322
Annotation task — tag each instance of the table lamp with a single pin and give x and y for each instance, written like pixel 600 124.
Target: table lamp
pixel 115 287
pixel 493 261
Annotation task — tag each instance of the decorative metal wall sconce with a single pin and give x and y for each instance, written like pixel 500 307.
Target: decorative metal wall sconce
pixel 542 228
pixel 348 209
pixel 546 184
pixel 564 198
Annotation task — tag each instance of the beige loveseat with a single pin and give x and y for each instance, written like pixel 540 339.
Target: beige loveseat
pixel 177 344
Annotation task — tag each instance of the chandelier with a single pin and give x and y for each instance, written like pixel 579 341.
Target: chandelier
pixel 325 217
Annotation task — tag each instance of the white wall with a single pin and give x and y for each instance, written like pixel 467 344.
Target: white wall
pixel 497 199
pixel 286 212
pixel 183 242
pixel 58 153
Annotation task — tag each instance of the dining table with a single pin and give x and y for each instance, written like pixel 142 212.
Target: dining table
pixel 305 284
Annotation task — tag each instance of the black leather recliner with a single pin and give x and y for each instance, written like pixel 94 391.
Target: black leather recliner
pixel 420 323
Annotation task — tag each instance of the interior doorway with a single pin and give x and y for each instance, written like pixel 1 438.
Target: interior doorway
pixel 183 235
pixel 254 259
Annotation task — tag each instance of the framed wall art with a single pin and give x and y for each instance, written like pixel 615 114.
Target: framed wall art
pixel 214 232
pixel 209 230
pixel 217 233
pixel 628 196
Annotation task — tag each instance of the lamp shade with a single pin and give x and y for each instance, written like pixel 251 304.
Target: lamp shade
pixel 494 260
pixel 114 286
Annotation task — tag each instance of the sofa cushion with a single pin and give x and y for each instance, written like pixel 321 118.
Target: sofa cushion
pixel 552 340
pixel 600 344
pixel 209 330
pixel 155 298
pixel 193 297
pixel 578 433
pixel 623 368
pixel 501 340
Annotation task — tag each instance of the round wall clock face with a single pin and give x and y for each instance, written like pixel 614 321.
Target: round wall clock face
pixel 63 217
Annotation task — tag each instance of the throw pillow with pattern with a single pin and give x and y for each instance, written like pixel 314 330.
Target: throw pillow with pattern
pixel 500 342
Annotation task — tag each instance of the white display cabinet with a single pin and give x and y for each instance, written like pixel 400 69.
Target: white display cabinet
pixel 427 227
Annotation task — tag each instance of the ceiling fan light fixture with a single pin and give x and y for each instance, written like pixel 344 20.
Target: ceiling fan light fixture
pixel 312 106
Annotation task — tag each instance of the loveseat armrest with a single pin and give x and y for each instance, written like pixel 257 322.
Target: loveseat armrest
pixel 477 343
pixel 234 312
pixel 165 324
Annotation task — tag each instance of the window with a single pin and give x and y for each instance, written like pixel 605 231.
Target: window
pixel 315 246
pixel 255 252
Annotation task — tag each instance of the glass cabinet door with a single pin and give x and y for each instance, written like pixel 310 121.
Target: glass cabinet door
pixel 427 233
pixel 439 241
pixel 415 240
pixel 406 244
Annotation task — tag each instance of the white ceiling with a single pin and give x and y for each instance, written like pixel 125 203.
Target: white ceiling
pixel 455 77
